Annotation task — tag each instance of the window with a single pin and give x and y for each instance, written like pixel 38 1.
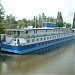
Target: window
pixel 18 32
pixel 47 37
pixel 37 39
pixel 44 38
pixel 26 32
pixel 41 38
pixel 28 41
pixel 36 31
pixel 55 36
pixel 50 37
pixel 32 40
pixel 14 39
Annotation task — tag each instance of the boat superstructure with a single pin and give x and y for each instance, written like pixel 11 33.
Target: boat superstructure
pixel 23 40
pixel 2 38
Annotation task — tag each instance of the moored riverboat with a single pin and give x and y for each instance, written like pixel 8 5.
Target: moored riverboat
pixel 24 40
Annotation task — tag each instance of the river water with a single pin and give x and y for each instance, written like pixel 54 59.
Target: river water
pixel 58 62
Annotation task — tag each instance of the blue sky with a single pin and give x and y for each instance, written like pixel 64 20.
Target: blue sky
pixel 30 8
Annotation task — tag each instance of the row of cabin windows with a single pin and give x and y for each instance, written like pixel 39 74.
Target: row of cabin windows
pixel 18 32
pixel 13 32
pixel 35 31
pixel 48 42
pixel 33 40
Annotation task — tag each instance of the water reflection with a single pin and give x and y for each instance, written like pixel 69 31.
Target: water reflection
pixel 56 59
pixel 4 67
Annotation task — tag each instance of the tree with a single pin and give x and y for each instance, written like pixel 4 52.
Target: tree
pixel 67 25
pixel 1 18
pixel 39 23
pixel 74 21
pixel 51 19
pixel 32 23
pixel 36 21
pixel 20 23
pixel 59 20
pixel 25 22
pixel 10 22
pixel 59 16
pixel 59 23
pixel 40 18
pixel 43 17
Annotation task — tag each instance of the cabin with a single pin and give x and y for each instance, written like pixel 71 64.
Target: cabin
pixel 2 38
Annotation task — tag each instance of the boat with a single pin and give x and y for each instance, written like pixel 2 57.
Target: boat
pixel 25 40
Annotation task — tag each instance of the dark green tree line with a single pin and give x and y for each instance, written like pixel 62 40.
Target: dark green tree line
pixel 1 18
pixel 59 20
pixel 74 21
pixel 10 22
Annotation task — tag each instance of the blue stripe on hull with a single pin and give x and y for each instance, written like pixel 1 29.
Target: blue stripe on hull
pixel 33 47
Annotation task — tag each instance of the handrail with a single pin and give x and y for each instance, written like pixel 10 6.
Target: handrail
pixel 10 41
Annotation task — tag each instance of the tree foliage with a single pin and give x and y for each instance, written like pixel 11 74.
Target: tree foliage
pixel 1 18
pixel 10 22
pixel 37 21
pixel 74 21
pixel 59 20
pixel 67 25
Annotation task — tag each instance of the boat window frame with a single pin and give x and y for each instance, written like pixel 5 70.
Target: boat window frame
pixel 18 32
pixel 28 41
pixel 26 31
pixel 33 40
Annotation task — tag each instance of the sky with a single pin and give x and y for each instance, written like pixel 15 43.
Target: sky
pixel 30 8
